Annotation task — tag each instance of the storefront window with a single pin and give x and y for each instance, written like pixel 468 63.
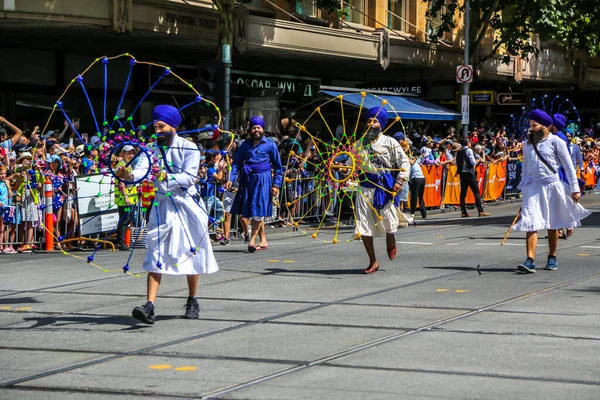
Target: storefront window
pixel 397 15
pixel 305 7
pixel 355 10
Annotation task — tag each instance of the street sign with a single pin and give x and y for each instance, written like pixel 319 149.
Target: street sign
pixel 464 74
pixel 512 99
pixel 465 109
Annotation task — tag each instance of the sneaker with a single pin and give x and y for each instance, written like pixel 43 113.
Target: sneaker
pixel 24 249
pixel 552 264
pixel 145 313
pixel 224 242
pixel 122 247
pixel 526 268
pixel 192 309
pixel 484 214
pixel 10 250
pixel 246 238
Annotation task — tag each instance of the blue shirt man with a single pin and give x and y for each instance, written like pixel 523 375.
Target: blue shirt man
pixel 258 165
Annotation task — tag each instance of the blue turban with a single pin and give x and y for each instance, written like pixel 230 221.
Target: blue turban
pixel 380 113
pixel 559 121
pixel 167 114
pixel 258 120
pixel 399 136
pixel 541 117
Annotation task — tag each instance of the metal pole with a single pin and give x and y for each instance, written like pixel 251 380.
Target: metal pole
pixel 227 61
pixel 465 90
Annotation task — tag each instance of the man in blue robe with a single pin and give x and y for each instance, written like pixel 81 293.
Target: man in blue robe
pixel 258 165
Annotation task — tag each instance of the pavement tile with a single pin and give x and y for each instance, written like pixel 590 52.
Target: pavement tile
pixel 511 355
pixel 133 374
pixel 329 383
pixel 278 342
pixel 20 364
pixel 110 333
pixel 372 316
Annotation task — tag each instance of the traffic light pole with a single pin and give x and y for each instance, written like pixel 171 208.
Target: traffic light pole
pixel 466 61
pixel 227 61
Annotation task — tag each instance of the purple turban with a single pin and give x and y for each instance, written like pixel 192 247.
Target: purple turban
pixel 380 113
pixel 559 121
pixel 258 120
pixel 167 114
pixel 541 117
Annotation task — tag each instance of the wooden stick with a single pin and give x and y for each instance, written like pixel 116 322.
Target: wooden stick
pixel 511 226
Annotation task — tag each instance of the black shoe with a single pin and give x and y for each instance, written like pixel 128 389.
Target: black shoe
pixel 246 238
pixel 224 242
pixel 145 313
pixel 192 309
pixel 123 247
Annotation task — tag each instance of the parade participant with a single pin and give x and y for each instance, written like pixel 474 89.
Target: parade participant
pixel 258 163
pixel 169 252
pixel 465 164
pixel 126 197
pixel 385 168
pixel 548 202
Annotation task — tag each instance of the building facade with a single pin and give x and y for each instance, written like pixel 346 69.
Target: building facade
pixel 282 53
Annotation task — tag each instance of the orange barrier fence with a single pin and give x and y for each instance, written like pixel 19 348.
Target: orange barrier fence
pixel 443 187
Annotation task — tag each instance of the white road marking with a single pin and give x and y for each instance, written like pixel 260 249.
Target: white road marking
pixel 414 243
pixel 591 247
pixel 506 244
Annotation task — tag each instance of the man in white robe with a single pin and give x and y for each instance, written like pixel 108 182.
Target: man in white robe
pixel 385 168
pixel 548 203
pixel 178 240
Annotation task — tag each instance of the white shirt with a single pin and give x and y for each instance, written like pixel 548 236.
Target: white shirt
pixel 384 155
pixel 555 151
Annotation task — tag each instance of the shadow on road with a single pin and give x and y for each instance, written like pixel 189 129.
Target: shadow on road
pixel 317 271
pixel 61 321
pixel 18 300
pixel 451 268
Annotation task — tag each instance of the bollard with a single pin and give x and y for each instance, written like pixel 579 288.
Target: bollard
pixel 127 238
pixel 48 215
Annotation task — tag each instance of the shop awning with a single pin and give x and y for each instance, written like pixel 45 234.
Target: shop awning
pixel 404 107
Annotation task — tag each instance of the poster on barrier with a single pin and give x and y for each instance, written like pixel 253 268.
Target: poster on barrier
pixel 433 185
pixel 452 189
pixel 480 170
pixel 496 180
pixel 96 204
pixel 513 176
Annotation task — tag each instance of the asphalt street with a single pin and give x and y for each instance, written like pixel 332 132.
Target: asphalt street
pixel 448 318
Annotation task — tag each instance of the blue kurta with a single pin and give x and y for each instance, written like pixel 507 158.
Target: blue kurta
pixel 254 164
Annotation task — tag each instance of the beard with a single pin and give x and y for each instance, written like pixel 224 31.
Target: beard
pixel 164 139
pixel 372 134
pixel 535 135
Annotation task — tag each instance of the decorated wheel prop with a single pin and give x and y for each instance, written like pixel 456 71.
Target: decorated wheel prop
pixel 114 128
pixel 140 152
pixel 337 173
pixel 519 123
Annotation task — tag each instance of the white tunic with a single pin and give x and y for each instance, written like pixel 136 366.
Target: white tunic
pixel 178 224
pixel 547 202
pixel 383 155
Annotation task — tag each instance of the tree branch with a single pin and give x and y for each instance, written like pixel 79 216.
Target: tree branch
pixel 490 55
pixel 486 19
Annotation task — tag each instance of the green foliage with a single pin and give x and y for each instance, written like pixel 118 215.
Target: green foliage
pixel 572 23
pixel 510 21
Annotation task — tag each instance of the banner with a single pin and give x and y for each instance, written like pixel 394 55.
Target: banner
pixel 494 188
pixel 433 185
pixel 452 189
pixel 514 170
pixel 96 204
